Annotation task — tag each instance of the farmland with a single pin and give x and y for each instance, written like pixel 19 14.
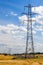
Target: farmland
pixel 22 62
pixel 7 60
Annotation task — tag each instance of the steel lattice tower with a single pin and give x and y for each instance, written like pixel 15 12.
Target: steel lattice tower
pixel 29 40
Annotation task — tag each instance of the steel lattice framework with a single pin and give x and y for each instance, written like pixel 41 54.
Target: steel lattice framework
pixel 29 40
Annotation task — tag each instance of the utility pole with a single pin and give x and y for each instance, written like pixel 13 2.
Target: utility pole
pixel 29 39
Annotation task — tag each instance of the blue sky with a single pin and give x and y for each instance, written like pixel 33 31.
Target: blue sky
pixel 12 31
pixel 16 6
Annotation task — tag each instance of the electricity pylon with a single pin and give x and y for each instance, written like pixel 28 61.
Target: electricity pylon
pixel 29 40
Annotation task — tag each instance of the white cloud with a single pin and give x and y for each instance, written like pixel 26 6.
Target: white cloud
pixel 34 32
pixel 15 38
pixel 38 28
pixel 41 33
pixel 23 19
pixel 10 32
pixel 14 29
pixel 9 28
pixel 39 19
pixel 39 16
pixel 23 28
pixel 38 10
pixel 13 14
pixel 38 47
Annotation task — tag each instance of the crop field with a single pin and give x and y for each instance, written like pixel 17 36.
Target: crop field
pixel 22 62
pixel 7 60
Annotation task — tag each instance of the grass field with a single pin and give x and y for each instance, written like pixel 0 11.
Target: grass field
pixel 7 60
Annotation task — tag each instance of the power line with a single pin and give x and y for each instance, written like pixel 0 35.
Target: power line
pixel 29 39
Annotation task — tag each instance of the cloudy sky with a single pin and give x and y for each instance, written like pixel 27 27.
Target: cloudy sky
pixel 13 29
